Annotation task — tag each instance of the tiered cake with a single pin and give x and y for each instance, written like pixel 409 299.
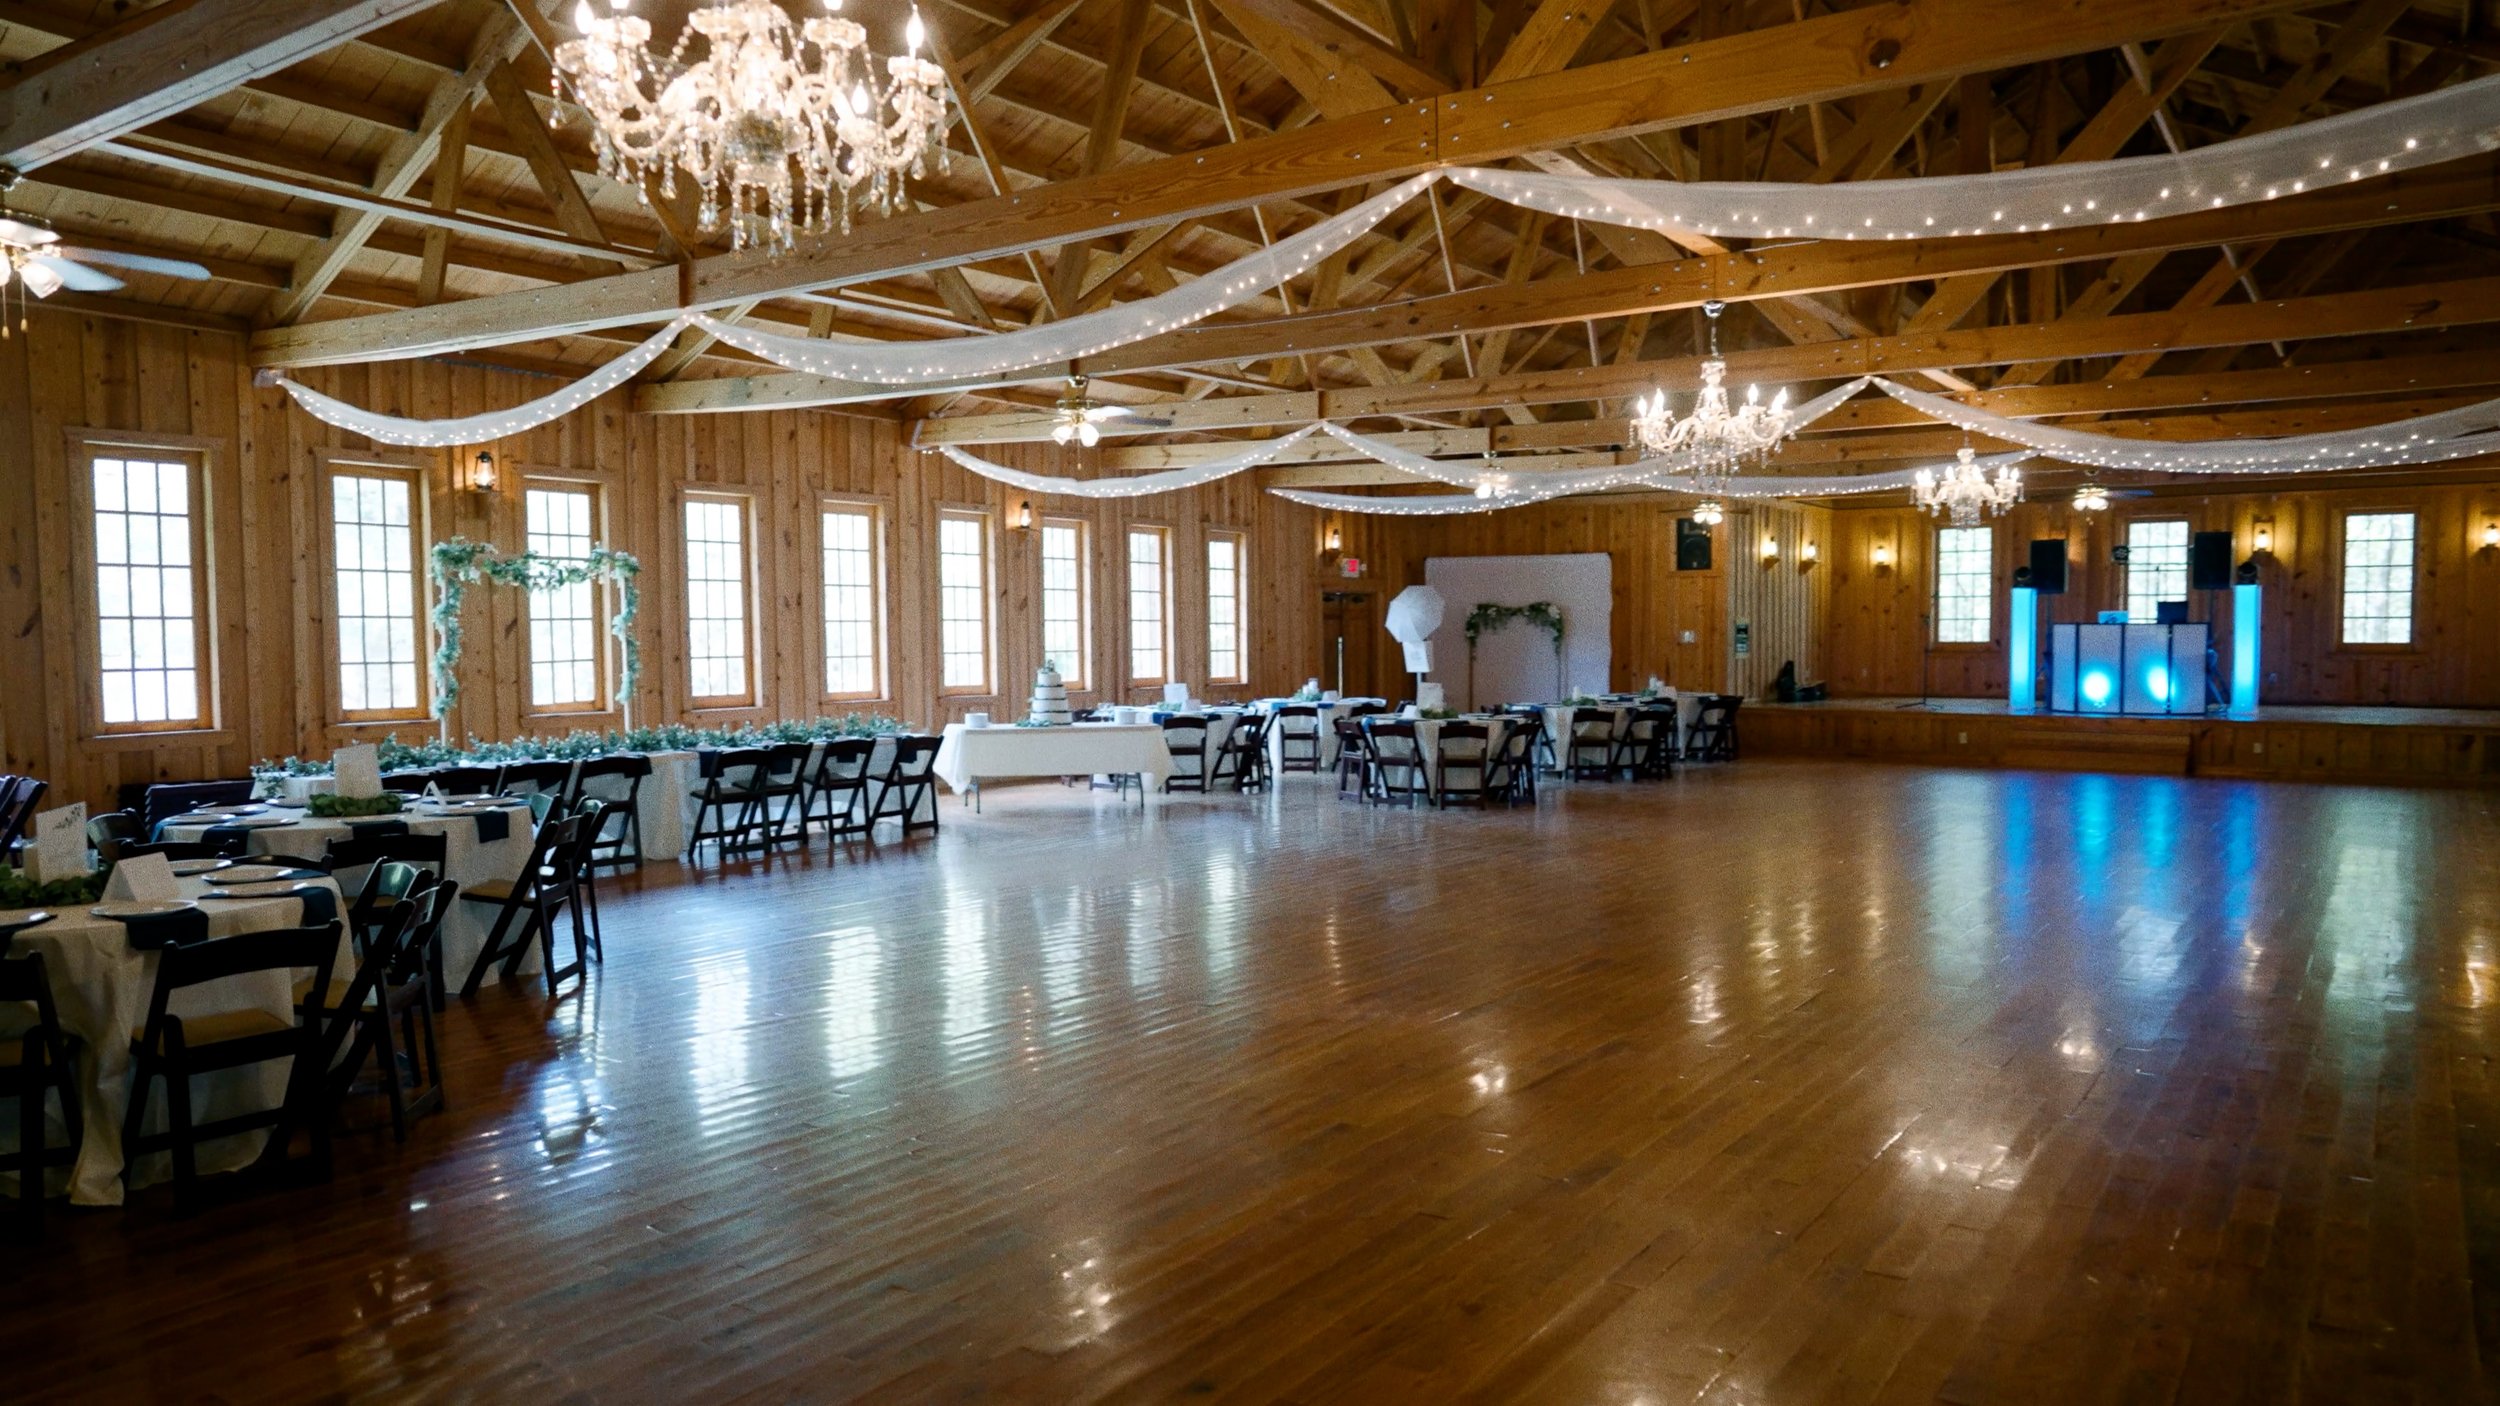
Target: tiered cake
pixel 1050 697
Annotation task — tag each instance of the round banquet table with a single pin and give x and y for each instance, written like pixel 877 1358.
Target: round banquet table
pixel 469 859
pixel 101 987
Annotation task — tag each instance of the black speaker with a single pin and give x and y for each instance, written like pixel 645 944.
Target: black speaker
pixel 2048 566
pixel 1692 545
pixel 2209 561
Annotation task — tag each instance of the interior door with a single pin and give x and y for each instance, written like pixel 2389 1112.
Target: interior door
pixel 1350 642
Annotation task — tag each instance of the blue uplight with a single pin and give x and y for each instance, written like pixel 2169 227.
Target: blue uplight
pixel 2157 683
pixel 2096 687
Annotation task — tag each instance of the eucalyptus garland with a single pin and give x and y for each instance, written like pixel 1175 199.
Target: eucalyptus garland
pixel 457 561
pixel 1541 614
pixel 394 755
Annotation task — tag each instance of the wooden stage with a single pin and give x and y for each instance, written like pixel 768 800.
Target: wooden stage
pixel 2383 746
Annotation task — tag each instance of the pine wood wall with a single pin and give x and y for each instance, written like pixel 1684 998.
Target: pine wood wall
pixel 1876 615
pixel 269 580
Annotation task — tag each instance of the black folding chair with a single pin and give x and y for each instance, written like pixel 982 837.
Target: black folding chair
pixel 909 779
pixel 1242 757
pixel 1185 737
pixel 733 779
pixel 1397 762
pixel 837 792
pixel 528 905
pixel 619 841
pixel 1713 734
pixel 1589 750
pixel 34 1068
pixel 553 779
pixel 1297 737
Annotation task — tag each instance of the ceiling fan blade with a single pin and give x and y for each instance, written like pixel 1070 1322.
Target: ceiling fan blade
pixel 14 230
pixel 1144 423
pixel 142 263
pixel 1100 413
pixel 76 276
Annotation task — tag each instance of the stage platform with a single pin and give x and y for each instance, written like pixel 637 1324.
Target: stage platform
pixel 2379 746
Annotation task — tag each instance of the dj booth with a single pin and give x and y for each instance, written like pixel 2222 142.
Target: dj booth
pixel 2127 670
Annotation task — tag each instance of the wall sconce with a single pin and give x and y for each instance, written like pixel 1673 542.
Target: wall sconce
pixel 2265 534
pixel 1806 555
pixel 1336 539
pixel 481 473
pixel 1024 516
pixel 1883 557
pixel 2491 535
pixel 1770 551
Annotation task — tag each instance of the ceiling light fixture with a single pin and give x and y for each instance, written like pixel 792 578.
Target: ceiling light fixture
pixel 1077 417
pixel 2091 498
pixel 784 124
pixel 1966 491
pixel 1718 438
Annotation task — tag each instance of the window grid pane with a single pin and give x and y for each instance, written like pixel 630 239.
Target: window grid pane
pixel 375 569
pixel 147 602
pixel 963 603
pixel 850 568
pixel 2157 567
pixel 716 597
pixel 1962 570
pixel 564 623
pixel 1146 615
pixel 2378 578
pixel 1224 609
pixel 1063 600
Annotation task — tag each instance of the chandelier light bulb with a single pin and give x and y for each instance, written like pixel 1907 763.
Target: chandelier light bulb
pixel 1965 491
pixel 915 32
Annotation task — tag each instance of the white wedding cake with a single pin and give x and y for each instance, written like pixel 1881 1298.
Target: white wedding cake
pixel 1050 697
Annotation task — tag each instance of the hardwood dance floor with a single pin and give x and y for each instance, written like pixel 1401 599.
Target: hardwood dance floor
pixel 1778 1082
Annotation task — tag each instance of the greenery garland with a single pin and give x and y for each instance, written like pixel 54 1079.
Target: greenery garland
pixel 457 561
pixel 582 743
pixel 1541 614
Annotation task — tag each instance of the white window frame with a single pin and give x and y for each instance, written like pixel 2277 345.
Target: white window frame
pixel 1078 596
pixel 1239 543
pixel 1954 564
pixel 419 661
pixel 2403 563
pixel 743 507
pixel 194 459
pixel 874 514
pixel 955 595
pixel 1157 587
pixel 594 626
pixel 2152 569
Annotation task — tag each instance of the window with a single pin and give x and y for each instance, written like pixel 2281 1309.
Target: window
pixel 852 619
pixel 148 606
pixel 2378 578
pixel 716 599
pixel 1962 599
pixel 964 602
pixel 1149 638
pixel 1224 646
pixel 373 562
pixel 1063 599
pixel 564 623
pixel 2157 567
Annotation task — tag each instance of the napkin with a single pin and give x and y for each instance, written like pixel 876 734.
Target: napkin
pixel 60 848
pixel 359 771
pixel 145 878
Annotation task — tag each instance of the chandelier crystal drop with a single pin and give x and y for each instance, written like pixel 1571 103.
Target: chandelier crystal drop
pixel 1966 491
pixel 784 125
pixel 1716 438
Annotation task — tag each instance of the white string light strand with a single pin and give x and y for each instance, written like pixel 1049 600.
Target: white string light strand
pixel 2442 125
pixel 1134 485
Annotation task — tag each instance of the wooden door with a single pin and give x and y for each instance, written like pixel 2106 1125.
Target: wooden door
pixel 1349 640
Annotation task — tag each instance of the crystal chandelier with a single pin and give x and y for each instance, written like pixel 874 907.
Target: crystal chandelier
pixel 1716 438
pixel 1966 490
pixel 781 122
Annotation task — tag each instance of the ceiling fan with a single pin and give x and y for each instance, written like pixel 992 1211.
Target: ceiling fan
pixel 33 256
pixel 1079 417
pixel 2091 496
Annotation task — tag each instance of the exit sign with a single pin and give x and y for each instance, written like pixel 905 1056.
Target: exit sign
pixel 1350 567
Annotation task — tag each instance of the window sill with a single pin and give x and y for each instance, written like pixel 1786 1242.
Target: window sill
pixel 145 741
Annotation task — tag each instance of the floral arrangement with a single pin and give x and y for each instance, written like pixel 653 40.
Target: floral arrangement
pixel 1437 713
pixel 1581 700
pixel 457 561
pixel 346 807
pixel 582 743
pixel 19 891
pixel 1542 614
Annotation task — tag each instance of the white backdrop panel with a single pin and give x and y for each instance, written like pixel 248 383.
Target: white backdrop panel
pixel 1515 664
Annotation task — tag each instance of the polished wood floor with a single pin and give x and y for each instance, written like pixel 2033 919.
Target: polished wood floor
pixel 1779 1082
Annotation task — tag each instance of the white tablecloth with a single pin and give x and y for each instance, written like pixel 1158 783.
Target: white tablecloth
pixel 101 988
pixel 1328 715
pixel 967 756
pixel 466 861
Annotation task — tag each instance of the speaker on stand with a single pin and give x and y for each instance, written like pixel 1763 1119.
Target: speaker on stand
pixel 2209 561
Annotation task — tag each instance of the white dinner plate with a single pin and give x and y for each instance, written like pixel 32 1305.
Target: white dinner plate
pixel 154 909
pixel 240 808
pixel 282 888
pixel 193 868
pixel 254 874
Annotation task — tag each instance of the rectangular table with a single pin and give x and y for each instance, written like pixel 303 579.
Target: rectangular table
pixel 101 988
pixel 968 755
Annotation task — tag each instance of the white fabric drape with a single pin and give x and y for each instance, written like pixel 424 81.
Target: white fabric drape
pixel 1134 485
pixel 493 424
pixel 959 358
pixel 2424 439
pixel 2395 136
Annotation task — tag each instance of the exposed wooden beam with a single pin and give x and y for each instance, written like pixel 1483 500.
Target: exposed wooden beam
pixel 2423 307
pixel 1339 40
pixel 451 159
pixel 1102 141
pixel 1825 57
pixel 537 145
pixel 164 59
